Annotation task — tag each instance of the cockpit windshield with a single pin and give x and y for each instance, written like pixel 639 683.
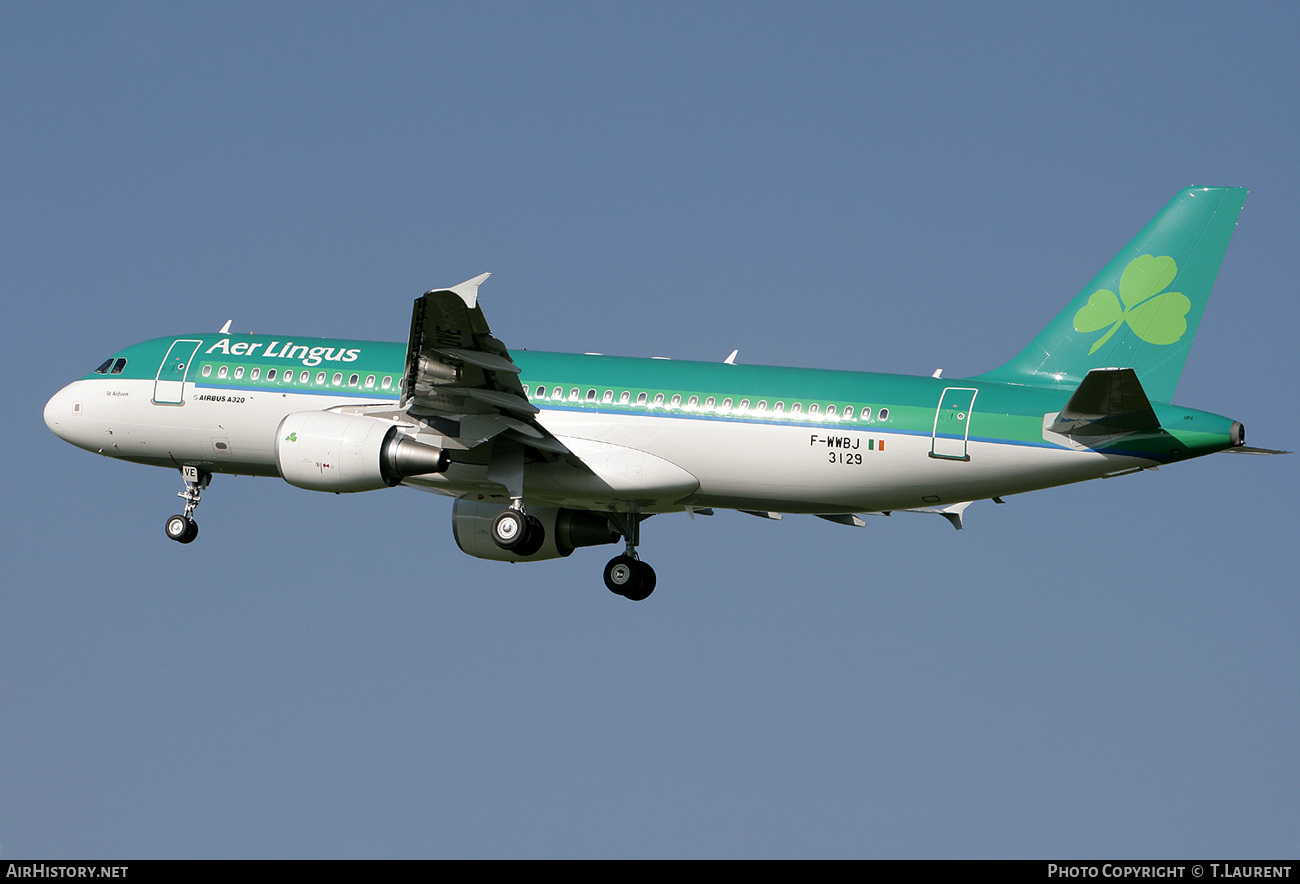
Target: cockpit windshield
pixel 110 366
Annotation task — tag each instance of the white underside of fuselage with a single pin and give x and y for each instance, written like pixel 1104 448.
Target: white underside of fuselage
pixel 658 462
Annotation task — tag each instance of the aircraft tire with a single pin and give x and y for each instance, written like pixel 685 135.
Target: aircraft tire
pixel 178 528
pixel 648 581
pixel 510 529
pixel 534 537
pixel 623 574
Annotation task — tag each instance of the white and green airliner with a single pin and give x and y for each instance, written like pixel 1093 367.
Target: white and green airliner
pixel 547 452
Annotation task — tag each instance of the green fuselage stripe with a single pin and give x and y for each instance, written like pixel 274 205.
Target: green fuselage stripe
pixel 892 404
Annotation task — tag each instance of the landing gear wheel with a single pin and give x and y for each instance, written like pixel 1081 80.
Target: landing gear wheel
pixel 630 578
pixel 534 537
pixel 621 574
pixel 181 529
pixel 509 529
pixel 648 581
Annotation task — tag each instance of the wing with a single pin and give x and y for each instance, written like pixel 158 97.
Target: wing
pixel 460 381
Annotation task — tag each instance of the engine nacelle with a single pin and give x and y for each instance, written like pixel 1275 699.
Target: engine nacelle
pixel 328 451
pixel 566 530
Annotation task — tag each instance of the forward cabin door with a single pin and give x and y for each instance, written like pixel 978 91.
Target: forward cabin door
pixel 952 423
pixel 169 385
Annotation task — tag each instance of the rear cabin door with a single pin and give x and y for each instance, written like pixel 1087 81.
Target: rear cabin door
pixel 952 423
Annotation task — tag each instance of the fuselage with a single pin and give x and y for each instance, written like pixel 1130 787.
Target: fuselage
pixel 669 434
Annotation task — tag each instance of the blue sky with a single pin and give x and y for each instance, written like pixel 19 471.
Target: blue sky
pixel 1105 670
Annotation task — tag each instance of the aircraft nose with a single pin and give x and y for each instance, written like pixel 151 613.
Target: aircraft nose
pixel 59 411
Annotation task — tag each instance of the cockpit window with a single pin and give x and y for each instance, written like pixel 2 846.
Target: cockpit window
pixel 103 369
pixel 118 366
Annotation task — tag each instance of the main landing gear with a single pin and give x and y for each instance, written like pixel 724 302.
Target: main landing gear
pixel 627 575
pixel 630 577
pixel 183 528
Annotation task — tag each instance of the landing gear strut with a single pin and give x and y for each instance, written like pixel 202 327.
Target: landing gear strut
pixel 183 528
pixel 627 575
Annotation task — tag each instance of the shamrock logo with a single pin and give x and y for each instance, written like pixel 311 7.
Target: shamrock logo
pixel 1156 317
pixel 292 437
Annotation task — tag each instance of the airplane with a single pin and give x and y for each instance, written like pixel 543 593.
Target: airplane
pixel 548 452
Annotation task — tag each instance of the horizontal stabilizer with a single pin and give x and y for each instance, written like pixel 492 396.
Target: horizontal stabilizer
pixel 1246 449
pixel 1108 402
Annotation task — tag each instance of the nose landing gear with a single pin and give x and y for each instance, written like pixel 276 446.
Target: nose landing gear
pixel 183 528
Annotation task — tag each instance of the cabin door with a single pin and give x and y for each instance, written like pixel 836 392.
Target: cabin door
pixel 169 385
pixel 952 423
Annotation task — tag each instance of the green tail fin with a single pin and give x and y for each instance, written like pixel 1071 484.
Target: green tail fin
pixel 1143 309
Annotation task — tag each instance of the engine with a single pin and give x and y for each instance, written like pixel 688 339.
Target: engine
pixel 566 530
pixel 328 451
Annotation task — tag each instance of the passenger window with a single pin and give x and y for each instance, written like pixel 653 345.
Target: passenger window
pixel 726 404
pixel 239 372
pixel 866 412
pixel 744 405
pixel 320 377
pixel 591 395
pixel 624 397
pixel 779 407
pixel 338 378
pixel 830 411
pixel 207 371
pixel 848 411
pixel 813 409
pixel 352 381
pixel 659 398
pixel 693 401
pixel 677 400
pixel 608 397
pixel 884 414
pixel 387 384
pixel 762 405
pixel 118 366
pixel 796 408
pixel 223 371
pixel 370 381
pixel 573 394
pixel 254 374
pixel 270 374
pixel 557 393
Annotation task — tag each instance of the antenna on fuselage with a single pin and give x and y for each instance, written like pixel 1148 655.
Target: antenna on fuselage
pixel 225 329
